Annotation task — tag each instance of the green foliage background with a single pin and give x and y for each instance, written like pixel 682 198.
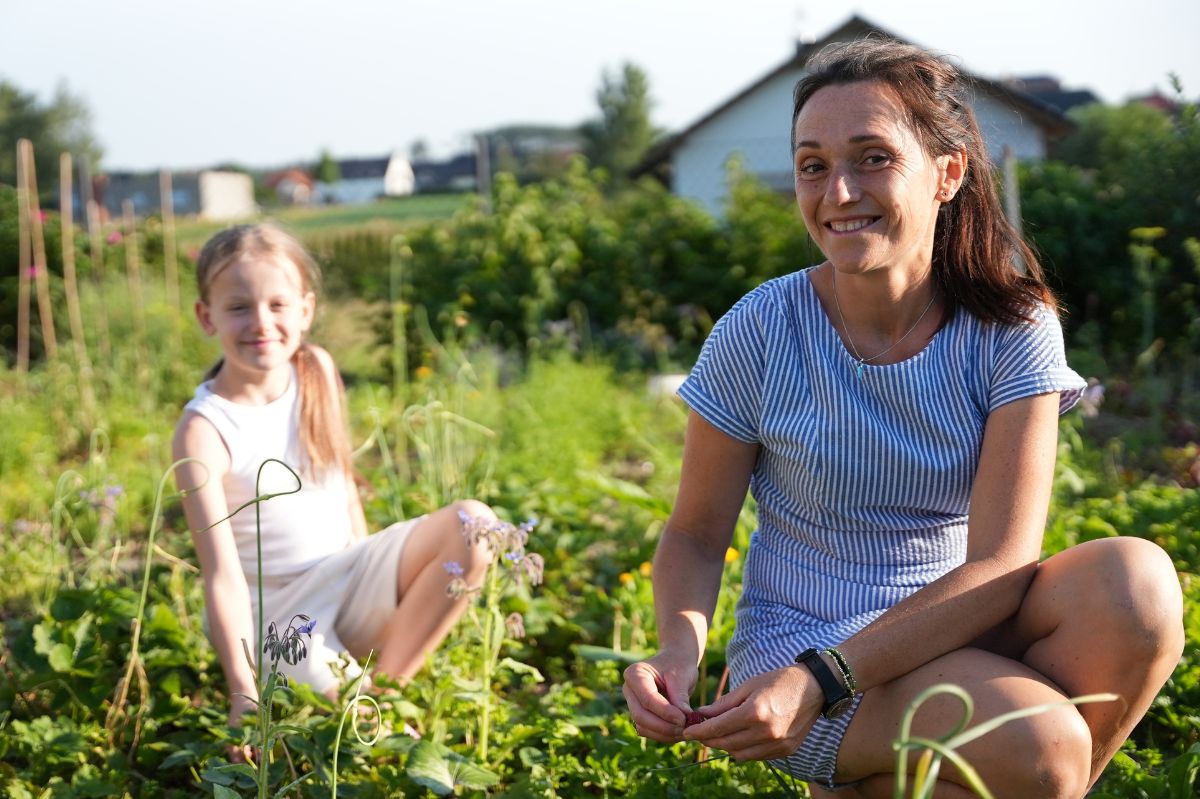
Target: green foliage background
pixel 535 317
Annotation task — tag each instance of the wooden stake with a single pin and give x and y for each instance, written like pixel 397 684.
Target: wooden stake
pixel 74 314
pixel 99 274
pixel 41 276
pixel 23 263
pixel 170 260
pixel 133 271
pixel 87 193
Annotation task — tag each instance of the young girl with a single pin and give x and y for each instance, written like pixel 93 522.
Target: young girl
pixel 272 395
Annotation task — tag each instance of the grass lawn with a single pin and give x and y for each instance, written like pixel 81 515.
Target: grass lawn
pixel 394 213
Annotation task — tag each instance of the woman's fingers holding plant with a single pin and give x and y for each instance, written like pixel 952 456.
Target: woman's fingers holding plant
pixel 764 718
pixel 658 699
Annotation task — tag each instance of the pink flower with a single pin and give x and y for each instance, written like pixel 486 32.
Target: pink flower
pixel 33 270
pixel 114 237
pixel 43 216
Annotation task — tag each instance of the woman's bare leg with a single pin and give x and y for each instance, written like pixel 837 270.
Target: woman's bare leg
pixel 1105 616
pixel 425 612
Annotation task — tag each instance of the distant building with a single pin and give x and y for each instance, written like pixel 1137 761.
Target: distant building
pixel 1048 90
pixel 364 180
pixel 457 174
pixel 208 194
pixel 292 186
pixel 754 125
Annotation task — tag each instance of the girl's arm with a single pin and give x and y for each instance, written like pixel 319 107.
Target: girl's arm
pixel 358 519
pixel 687 575
pixel 226 594
pixel 1009 500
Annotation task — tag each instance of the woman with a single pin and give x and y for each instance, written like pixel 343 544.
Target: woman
pixel 894 412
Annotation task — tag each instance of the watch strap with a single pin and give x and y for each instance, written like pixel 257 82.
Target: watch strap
pixel 831 687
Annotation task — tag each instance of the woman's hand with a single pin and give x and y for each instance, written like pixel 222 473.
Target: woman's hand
pixel 764 718
pixel 657 691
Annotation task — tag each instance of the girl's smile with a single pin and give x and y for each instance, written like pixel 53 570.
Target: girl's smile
pixel 259 310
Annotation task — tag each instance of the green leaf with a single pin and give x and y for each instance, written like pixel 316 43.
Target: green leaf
pixel 430 769
pixel 178 758
pixel 61 657
pixel 517 667
pixel 470 775
pixel 589 652
pixel 221 792
pixel 1181 779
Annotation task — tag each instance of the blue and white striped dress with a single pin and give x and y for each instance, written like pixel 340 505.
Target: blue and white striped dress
pixel 862 482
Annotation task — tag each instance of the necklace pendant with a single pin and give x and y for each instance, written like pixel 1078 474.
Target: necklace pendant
pixel 859 370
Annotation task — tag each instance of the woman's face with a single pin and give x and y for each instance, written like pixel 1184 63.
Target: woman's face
pixel 868 191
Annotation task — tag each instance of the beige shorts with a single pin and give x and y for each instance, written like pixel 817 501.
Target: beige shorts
pixel 350 594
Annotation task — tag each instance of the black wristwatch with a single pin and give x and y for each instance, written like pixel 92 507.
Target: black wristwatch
pixel 837 696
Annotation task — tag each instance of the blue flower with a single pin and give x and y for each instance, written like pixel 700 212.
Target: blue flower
pixel 307 628
pixel 453 568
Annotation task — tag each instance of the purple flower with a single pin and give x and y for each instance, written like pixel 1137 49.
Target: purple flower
pixel 307 628
pixel 114 491
pixel 453 568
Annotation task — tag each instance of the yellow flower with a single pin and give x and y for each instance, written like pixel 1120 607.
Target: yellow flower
pixel 644 569
pixel 422 372
pixel 626 578
pixel 731 555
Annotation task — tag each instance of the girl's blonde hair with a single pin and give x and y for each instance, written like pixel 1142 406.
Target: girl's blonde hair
pixel 324 439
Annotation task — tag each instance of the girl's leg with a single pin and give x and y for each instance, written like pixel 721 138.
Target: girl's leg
pixel 1105 616
pixel 425 612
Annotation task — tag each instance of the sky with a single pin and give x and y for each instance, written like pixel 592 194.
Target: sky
pixel 192 83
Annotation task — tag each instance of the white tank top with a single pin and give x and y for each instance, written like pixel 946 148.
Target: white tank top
pixel 298 530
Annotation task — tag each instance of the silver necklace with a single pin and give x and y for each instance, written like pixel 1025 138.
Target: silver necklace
pixel 857 356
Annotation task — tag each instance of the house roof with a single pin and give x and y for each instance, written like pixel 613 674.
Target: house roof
pixel 356 168
pixel 854 28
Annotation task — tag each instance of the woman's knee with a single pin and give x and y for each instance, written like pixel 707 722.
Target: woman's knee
pixel 1134 591
pixel 1052 753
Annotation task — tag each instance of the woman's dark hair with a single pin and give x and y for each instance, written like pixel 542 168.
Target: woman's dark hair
pixel 975 249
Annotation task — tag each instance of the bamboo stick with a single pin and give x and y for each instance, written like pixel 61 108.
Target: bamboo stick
pixel 74 314
pixel 41 275
pixel 99 274
pixel 23 264
pixel 87 194
pixel 170 260
pixel 133 271
pixel 134 276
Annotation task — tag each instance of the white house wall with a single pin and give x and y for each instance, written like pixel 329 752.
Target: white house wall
pixel 1002 125
pixel 226 195
pixel 756 128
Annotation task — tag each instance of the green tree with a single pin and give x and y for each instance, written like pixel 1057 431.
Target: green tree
pixel 1123 169
pixel 62 125
pixel 327 168
pixel 623 133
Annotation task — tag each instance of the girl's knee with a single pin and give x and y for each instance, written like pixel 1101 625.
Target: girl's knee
pixel 473 558
pixel 473 508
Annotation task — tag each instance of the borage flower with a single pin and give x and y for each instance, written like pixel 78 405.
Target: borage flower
pixel 515 625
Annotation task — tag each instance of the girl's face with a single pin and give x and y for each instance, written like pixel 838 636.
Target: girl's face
pixel 259 310
pixel 867 189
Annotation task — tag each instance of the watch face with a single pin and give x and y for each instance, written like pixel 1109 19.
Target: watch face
pixel 839 707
